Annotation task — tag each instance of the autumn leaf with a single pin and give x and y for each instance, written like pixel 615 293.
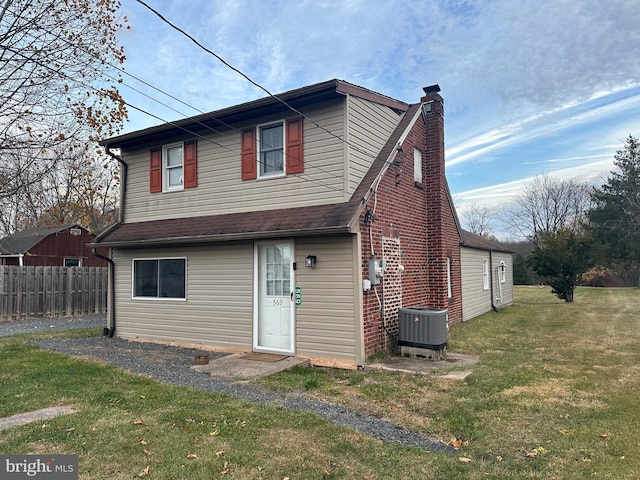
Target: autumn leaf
pixel 225 470
pixel 606 436
pixel 464 460
pixel 192 456
pixel 142 441
pixel 219 453
pixel 145 472
pixel 455 443
pixel 138 422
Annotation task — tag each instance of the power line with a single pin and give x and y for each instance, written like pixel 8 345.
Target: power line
pixel 173 124
pixel 253 82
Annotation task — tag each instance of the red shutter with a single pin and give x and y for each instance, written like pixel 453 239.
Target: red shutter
pixel 190 164
pixel 295 162
pixel 249 163
pixel 155 171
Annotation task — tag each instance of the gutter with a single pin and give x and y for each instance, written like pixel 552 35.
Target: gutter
pixel 224 237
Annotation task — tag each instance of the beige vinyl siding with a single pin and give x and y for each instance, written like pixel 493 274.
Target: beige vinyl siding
pixel 220 189
pixel 218 310
pixel 326 319
pixel 369 126
pixel 475 300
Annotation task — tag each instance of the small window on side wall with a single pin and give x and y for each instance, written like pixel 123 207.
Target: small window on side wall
pixel 72 262
pixel 417 165
pixel 485 274
pixel 159 278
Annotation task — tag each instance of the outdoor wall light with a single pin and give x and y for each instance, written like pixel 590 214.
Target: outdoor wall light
pixel 310 261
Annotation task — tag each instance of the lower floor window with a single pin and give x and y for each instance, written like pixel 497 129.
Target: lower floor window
pixel 159 278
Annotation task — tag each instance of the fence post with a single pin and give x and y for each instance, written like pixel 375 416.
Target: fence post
pixel 3 293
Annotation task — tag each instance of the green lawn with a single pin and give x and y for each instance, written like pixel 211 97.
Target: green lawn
pixel 555 395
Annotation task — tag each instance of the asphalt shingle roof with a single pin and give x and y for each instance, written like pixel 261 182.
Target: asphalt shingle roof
pixel 21 242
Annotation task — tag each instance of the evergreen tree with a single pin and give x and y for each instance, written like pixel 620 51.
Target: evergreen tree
pixel 615 219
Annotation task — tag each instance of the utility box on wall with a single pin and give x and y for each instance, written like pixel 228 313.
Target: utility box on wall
pixel 422 332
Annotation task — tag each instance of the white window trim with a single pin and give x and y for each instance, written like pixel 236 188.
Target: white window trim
pixel 502 274
pixel 166 168
pixel 417 165
pixel 64 262
pixel 259 128
pixel 485 274
pixel 449 290
pixel 155 299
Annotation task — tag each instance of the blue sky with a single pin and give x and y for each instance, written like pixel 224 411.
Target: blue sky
pixel 530 86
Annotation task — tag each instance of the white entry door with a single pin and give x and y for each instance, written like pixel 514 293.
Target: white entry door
pixel 274 312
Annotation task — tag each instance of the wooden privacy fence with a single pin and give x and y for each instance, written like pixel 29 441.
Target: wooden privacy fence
pixel 32 292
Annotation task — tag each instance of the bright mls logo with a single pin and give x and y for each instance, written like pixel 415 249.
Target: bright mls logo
pixel 59 467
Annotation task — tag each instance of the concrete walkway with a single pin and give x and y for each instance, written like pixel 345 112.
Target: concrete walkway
pixel 37 415
pixel 237 366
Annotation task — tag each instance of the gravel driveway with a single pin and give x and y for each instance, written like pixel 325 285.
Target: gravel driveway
pixel 173 365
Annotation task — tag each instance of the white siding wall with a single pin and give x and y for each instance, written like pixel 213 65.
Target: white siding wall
pixel 475 300
pixel 218 311
pixel 369 127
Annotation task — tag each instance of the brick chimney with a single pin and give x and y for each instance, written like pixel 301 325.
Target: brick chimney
pixel 440 230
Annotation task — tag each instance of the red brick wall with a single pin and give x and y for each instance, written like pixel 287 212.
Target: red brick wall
pixel 421 218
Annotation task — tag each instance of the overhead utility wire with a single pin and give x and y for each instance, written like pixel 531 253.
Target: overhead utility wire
pixel 174 124
pixel 208 127
pixel 211 52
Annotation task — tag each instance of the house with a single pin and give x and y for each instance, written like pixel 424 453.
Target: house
pixel 296 224
pixel 487 275
pixel 58 246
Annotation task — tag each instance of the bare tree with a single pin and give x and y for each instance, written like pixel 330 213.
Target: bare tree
pixel 58 87
pixel 546 206
pixel 478 219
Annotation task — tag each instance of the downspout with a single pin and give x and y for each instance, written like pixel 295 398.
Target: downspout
pixel 110 331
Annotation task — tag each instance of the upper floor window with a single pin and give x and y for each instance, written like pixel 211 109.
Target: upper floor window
pixel 417 165
pixel 172 161
pixel 174 167
pixel 271 149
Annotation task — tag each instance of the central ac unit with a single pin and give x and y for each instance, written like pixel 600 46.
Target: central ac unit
pixel 422 327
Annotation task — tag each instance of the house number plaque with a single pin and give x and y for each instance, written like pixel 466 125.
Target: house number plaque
pixel 298 296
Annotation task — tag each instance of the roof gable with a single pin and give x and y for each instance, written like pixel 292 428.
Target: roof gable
pixel 21 242
pixel 283 102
